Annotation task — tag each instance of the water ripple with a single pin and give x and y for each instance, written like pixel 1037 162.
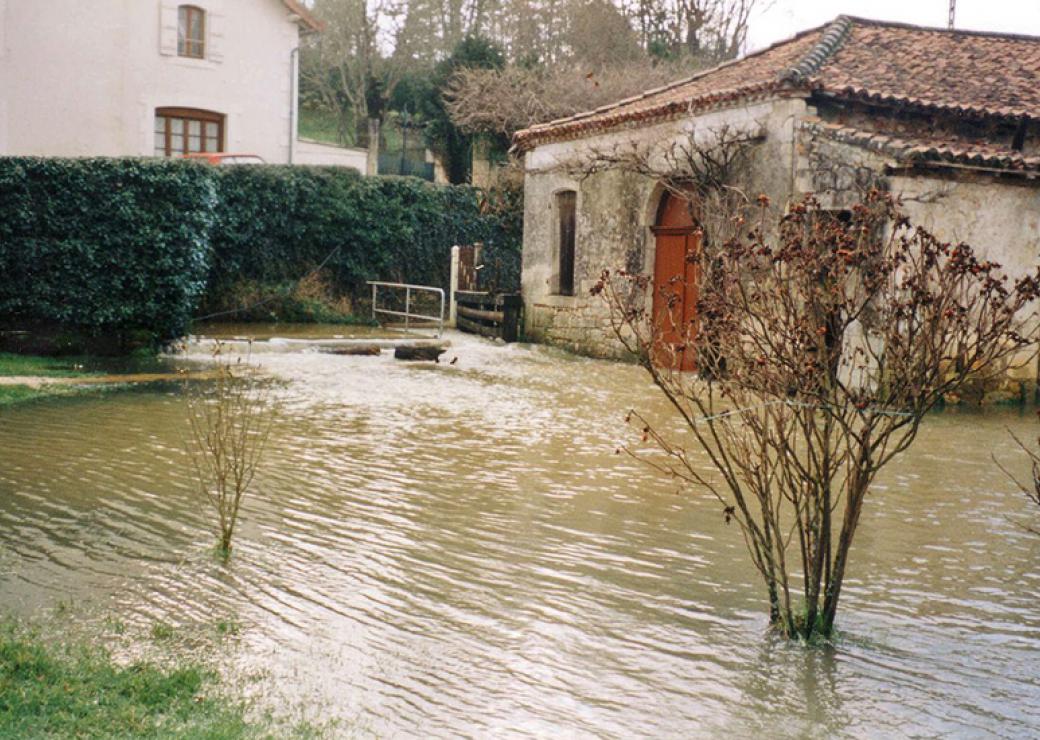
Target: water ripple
pixel 455 550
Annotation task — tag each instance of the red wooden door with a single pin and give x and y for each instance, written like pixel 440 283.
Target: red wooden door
pixel 675 286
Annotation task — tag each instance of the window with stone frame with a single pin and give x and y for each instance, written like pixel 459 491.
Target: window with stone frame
pixel 565 208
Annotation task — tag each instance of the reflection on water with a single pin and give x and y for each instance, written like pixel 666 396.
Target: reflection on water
pixel 456 549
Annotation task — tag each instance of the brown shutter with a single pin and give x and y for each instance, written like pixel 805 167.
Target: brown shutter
pixel 566 206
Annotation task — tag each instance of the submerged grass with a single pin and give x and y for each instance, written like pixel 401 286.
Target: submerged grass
pixel 52 690
pixel 39 367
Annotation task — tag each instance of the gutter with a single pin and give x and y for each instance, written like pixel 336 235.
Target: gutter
pixel 293 75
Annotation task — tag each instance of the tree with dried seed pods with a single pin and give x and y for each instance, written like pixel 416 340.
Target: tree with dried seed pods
pixel 822 342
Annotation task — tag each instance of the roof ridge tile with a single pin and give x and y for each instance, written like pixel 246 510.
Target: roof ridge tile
pixel 832 39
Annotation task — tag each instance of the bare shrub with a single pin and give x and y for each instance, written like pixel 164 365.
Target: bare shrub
pixel 821 343
pixel 1031 488
pixel 230 423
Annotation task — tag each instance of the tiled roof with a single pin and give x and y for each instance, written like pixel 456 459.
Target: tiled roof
pixel 964 72
pixel 306 17
pixel 934 150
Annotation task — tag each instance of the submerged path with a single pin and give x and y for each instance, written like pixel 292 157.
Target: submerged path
pixel 39 381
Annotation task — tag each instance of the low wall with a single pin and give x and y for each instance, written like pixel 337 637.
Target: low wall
pixel 308 151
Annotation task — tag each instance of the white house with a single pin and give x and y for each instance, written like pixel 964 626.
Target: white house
pixel 153 78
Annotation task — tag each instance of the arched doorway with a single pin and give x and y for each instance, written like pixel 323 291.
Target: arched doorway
pixel 678 243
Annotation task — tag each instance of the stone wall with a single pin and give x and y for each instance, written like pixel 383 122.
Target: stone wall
pixel 615 211
pixel 998 215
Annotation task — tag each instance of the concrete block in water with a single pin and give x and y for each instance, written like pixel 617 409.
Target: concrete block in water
pixel 428 352
pixel 353 349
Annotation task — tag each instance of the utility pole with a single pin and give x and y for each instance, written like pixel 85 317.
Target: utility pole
pixel 953 12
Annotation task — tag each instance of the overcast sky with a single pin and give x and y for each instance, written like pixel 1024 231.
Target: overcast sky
pixel 787 17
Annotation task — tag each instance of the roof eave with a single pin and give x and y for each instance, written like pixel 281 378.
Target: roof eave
pixel 302 16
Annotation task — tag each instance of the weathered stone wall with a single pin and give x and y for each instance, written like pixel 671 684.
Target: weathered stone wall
pixel 615 211
pixel 837 173
pixel 999 216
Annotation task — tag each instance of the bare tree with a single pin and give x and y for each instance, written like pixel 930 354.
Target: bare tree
pixel 822 340
pixel 230 424
pixel 505 101
pixel 710 30
pixel 346 68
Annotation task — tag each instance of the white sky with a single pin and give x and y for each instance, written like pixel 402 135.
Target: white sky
pixel 787 17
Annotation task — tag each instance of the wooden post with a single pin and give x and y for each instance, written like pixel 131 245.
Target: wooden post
pixel 511 305
pixel 453 305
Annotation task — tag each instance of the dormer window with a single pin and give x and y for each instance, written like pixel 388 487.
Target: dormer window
pixel 191 32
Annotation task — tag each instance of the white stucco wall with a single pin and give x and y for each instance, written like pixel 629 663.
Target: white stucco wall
pixel 315 152
pixel 83 78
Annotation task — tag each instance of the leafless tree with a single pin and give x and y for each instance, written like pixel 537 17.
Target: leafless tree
pixel 711 30
pixel 505 101
pixel 230 423
pixel 822 341
pixel 347 68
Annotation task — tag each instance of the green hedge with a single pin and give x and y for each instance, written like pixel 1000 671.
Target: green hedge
pixel 103 244
pixel 276 222
pixel 135 244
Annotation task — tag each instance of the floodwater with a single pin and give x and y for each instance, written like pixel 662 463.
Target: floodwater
pixel 455 550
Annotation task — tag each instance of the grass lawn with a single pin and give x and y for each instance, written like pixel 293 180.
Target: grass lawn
pixel 48 367
pixel 62 691
pixel 319 125
pixel 40 367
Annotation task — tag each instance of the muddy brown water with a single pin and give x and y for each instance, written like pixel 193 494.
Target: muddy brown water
pixel 455 550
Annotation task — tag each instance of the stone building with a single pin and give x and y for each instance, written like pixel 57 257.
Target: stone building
pixel 950 120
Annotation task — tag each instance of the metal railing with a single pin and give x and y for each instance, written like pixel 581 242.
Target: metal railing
pixel 407 314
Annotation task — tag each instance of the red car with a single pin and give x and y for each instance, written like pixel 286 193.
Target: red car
pixel 221 158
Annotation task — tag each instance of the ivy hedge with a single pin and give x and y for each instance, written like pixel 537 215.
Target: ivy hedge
pixel 105 244
pixel 275 222
pixel 125 244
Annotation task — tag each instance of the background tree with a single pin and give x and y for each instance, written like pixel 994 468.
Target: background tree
pixel 489 67
pixel 604 53
pixel 344 69
pixel 424 94
pixel 501 102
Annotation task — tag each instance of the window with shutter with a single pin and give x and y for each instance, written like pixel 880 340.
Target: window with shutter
pixel 168 29
pixel 191 32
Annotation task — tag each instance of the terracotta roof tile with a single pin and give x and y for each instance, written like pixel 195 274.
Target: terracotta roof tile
pixel 986 74
pixel 956 71
pixel 928 151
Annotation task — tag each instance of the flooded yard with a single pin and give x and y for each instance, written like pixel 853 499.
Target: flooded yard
pixel 456 550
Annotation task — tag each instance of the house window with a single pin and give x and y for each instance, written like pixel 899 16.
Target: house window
pixel 191 32
pixel 180 131
pixel 566 202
